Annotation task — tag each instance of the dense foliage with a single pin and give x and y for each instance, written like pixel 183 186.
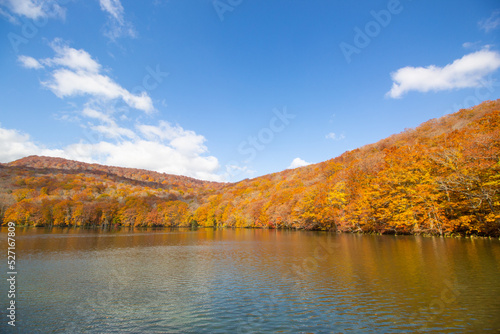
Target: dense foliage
pixel 442 177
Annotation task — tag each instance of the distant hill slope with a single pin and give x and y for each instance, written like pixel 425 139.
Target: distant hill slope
pixel 442 177
pixel 72 166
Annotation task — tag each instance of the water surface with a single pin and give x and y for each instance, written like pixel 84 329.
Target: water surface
pixel 251 281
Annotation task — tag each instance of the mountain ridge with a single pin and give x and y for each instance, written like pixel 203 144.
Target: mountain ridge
pixel 437 178
pixel 444 121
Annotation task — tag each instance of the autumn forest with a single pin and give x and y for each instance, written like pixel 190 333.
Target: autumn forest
pixel 441 178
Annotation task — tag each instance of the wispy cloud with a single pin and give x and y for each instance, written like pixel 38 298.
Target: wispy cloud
pixel 468 71
pixel 298 162
pixel 74 72
pixel 32 9
pixel 11 18
pixel 334 136
pixel 15 144
pixel 491 23
pixel 117 26
pixel 107 126
pixel 29 62
pixel 474 45
pixel 113 8
pixel 235 169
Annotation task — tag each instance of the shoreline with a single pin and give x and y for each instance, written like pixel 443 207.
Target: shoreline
pixel 188 228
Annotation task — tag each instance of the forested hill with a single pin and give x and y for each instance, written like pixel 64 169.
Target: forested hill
pixel 442 177
pixel 145 176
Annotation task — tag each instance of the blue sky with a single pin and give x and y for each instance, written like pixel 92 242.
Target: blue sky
pixel 232 89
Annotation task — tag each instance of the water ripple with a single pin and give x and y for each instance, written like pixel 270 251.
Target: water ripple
pixel 253 282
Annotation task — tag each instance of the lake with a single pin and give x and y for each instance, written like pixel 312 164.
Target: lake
pixel 250 281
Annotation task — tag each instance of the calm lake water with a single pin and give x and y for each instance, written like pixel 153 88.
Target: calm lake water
pixel 250 281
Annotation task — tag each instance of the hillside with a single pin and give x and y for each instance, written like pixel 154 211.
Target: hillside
pixel 442 177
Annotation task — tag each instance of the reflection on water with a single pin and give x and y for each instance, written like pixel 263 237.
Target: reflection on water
pixel 244 281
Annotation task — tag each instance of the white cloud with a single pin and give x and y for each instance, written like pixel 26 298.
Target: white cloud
pixel 108 127
pixel 180 151
pixel 77 60
pixel 185 141
pixel 33 9
pixel 112 7
pixel 92 113
pixel 298 162
pixel 75 73
pixel 113 131
pixel 334 136
pixel 15 145
pixel 116 26
pixel 29 62
pixel 491 23
pixel 163 148
pixel 65 82
pixel 149 155
pixel 468 71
